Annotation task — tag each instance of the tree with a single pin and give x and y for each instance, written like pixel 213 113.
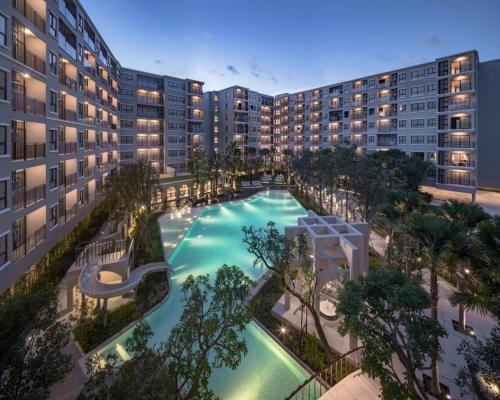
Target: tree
pixel 134 190
pixel 481 373
pixel 287 164
pixel 111 381
pixel 395 212
pixel 482 291
pixel 272 156
pixel 232 162
pixel 31 343
pixel 468 251
pixel 207 335
pixel 345 158
pixel 289 261
pixel 385 310
pixel 216 168
pixel 436 236
pixel 198 166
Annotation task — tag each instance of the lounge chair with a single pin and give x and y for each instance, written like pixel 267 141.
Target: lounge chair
pixel 266 179
pixel 246 184
pixel 280 179
pixel 256 184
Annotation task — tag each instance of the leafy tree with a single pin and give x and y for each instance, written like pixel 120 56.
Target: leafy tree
pixel 232 162
pixel 111 381
pixel 31 343
pixel 216 168
pixel 207 334
pixel 436 236
pixel 289 261
pixel 134 190
pixel 345 159
pixel 481 373
pixel 385 310
pixel 198 166
pixel 287 164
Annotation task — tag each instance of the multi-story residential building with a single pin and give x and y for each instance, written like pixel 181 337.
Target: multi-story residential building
pixel 427 110
pixel 58 125
pixel 239 115
pixel 161 118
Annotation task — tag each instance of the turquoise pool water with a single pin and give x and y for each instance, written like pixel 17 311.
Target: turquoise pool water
pixel 214 238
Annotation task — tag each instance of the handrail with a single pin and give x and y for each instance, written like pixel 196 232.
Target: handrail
pixel 328 371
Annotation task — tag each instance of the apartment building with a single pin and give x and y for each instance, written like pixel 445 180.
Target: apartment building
pixel 161 117
pixel 58 126
pixel 240 115
pixel 428 110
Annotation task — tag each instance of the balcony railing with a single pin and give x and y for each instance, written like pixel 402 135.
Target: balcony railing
pixel 67 115
pixel 67 81
pixel 69 179
pixel 463 178
pixel 67 147
pixel 89 145
pixel 89 171
pixel 27 151
pixel 448 162
pixel 195 117
pixel 28 105
pixel 461 86
pixel 457 143
pixel 89 68
pixel 461 67
pixel 70 212
pixel 29 12
pixel 66 46
pixel 35 239
pixel 387 142
pixel 23 197
pixel 145 99
pixel 386 128
pixel 460 104
pixel 27 57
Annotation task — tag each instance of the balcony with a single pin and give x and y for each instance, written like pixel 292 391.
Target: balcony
pixel 460 104
pixel 89 171
pixel 457 142
pixel 387 140
pixel 89 68
pixel 67 40
pixel 358 129
pixel 66 80
pixel 29 243
pixel 67 180
pixel 30 13
pixel 67 115
pixel 27 105
pixel 67 147
pixel 455 160
pixel 459 86
pixel 27 151
pixel 462 178
pixel 68 12
pixel 89 145
pixel 22 197
pixel 150 99
pixel 27 57
pixel 460 67
pixel 385 128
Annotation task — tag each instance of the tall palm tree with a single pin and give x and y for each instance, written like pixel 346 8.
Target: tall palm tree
pixel 436 235
pixel 216 167
pixel 264 154
pixel 287 162
pixel 396 211
pixel 272 156
pixel 232 161
pixel 467 252
pixel 482 292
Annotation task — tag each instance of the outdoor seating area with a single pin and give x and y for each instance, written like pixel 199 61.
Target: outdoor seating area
pixel 250 184
pixel 269 180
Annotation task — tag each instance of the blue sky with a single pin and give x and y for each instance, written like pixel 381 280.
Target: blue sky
pixel 275 46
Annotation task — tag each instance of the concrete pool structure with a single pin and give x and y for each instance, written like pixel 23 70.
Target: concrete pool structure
pixel 198 241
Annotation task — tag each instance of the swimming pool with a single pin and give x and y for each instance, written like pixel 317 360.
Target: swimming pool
pixel 215 238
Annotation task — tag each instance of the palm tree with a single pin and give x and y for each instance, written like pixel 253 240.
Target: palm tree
pixel 232 162
pixel 216 166
pixel 396 210
pixel 250 153
pixel 197 165
pixel 272 154
pixel 264 153
pixel 481 293
pixel 468 251
pixel 436 235
pixel 287 162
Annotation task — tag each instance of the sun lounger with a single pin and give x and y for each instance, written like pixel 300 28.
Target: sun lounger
pixel 256 184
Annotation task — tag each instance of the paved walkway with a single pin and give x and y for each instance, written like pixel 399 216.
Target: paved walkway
pixel 356 386
pixel 490 201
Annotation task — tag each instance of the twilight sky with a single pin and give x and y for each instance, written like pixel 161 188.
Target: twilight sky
pixel 277 46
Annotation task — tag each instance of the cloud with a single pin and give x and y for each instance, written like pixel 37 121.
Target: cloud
pixel 158 61
pixel 232 69
pixel 273 79
pixel 383 57
pixel 255 68
pixel 432 40
pixel 218 73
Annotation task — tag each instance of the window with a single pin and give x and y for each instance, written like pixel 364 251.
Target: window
pixel 126 123
pixel 53 216
pixel 126 139
pixel 53 63
pixel 3 249
pixel 417 123
pixel 402 92
pixel 80 139
pixel 417 139
pixel 53 102
pixel 126 155
pixel 371 139
pixel 371 96
pixel 431 139
pixel 3 30
pixel 402 107
pixel 402 123
pixel 53 139
pixel 402 139
pixel 371 111
pixel 81 196
pixel 417 90
pixel 3 84
pixel 417 107
pixel 52 25
pixel 127 92
pixel 126 77
pixel 418 74
pixel 3 140
pixel 431 105
pixel 346 114
pixel 432 87
pixel 402 76
pixel 80 168
pixel 52 177
pixel 80 81
pixel 432 122
pixel 431 70
pixel 3 194
pixel 371 125
pixel 126 108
